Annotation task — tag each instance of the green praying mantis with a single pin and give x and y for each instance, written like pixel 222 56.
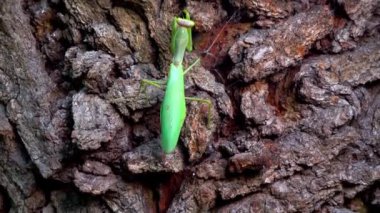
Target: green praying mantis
pixel 173 108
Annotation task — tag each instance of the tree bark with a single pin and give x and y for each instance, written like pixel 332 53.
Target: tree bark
pixel 295 116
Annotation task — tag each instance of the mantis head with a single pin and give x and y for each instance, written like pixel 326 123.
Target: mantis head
pixel 181 39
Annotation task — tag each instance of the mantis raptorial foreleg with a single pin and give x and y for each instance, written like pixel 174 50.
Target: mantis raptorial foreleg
pixel 209 105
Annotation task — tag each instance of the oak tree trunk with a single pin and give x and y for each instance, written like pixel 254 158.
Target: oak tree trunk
pixel 295 117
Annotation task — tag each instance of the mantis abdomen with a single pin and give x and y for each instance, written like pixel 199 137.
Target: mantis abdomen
pixel 173 109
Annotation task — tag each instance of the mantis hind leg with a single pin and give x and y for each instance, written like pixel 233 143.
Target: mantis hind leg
pixel 209 105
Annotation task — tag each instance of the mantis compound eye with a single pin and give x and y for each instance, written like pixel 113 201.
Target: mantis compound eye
pixel 185 22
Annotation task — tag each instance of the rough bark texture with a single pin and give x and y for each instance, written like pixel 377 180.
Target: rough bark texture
pixel 295 120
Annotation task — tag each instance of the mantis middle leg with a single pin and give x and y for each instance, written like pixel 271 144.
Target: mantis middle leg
pixel 191 66
pixel 156 83
pixel 205 101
